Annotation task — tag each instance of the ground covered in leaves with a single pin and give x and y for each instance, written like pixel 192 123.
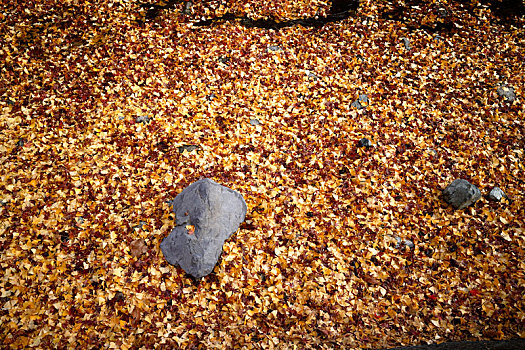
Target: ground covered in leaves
pixel 106 115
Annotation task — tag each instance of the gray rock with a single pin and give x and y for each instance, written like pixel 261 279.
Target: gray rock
pixel 398 241
pixel 311 75
pixel 274 48
pixel 359 102
pixel 461 193
pixel 409 243
pixel 254 122
pixel 206 215
pixel 496 194
pixel 142 119
pixel 507 92
pixel 406 42
pixel 188 148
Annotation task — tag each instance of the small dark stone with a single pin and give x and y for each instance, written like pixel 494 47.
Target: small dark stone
pixel 364 142
pixel 309 214
pixel 119 297
pixel 188 148
pixel 21 143
pixel 224 60
pixel 211 97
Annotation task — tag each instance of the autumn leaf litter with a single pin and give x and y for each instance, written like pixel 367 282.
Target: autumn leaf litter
pixel 107 116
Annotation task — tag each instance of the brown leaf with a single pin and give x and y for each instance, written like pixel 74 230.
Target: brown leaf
pixel 138 247
pixel 372 280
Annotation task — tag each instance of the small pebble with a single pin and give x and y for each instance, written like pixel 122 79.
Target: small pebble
pixel 409 243
pixel 363 98
pixel 311 75
pixel 398 239
pixel 496 194
pixel 364 142
pixel 188 148
pixel 357 104
pixel 142 119
pixel 406 42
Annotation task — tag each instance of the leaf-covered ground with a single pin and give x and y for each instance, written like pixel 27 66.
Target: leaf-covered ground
pixel 100 105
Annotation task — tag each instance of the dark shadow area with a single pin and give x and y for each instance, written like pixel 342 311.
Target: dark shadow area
pixel 512 344
pixel 507 11
pixel 154 9
pixel 339 10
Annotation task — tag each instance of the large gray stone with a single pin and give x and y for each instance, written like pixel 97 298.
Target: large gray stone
pixel 461 193
pixel 206 215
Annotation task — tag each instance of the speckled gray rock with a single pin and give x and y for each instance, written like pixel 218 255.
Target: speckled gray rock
pixel 361 102
pixel 142 119
pixel 461 193
pixel 206 215
pixel 507 92
pixel 496 194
